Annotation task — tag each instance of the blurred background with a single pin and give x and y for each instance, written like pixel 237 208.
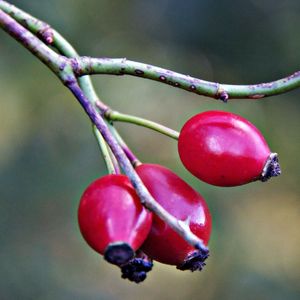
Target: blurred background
pixel 48 154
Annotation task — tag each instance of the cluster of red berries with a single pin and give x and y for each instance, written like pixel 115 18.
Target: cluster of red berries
pixel 219 148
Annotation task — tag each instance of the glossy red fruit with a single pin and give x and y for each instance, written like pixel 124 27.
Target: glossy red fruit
pixel 183 202
pixel 224 149
pixel 111 218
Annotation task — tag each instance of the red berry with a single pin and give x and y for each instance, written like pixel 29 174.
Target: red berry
pixel 179 199
pixel 111 218
pixel 225 149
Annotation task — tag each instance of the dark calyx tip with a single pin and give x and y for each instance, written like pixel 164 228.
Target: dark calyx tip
pixel 271 168
pixel 136 269
pixel 118 253
pixel 195 261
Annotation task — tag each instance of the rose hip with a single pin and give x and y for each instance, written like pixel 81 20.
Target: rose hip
pixel 224 149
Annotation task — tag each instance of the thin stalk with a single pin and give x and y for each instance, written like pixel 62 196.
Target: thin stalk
pixel 112 168
pixel 117 116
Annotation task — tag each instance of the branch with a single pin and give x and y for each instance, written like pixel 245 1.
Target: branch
pixel 60 65
pixel 86 65
pixel 122 66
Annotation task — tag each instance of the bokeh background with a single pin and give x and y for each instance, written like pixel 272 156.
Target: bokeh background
pixel 48 154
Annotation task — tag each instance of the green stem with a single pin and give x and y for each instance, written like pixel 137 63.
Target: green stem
pixel 117 116
pixel 122 66
pixel 110 165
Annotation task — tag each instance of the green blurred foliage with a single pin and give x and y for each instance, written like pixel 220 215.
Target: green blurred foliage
pixel 48 154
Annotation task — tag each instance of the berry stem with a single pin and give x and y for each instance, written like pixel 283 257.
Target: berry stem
pixel 110 161
pixel 117 116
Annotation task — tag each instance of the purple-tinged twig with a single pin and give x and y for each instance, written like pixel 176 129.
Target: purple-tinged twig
pixel 145 197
